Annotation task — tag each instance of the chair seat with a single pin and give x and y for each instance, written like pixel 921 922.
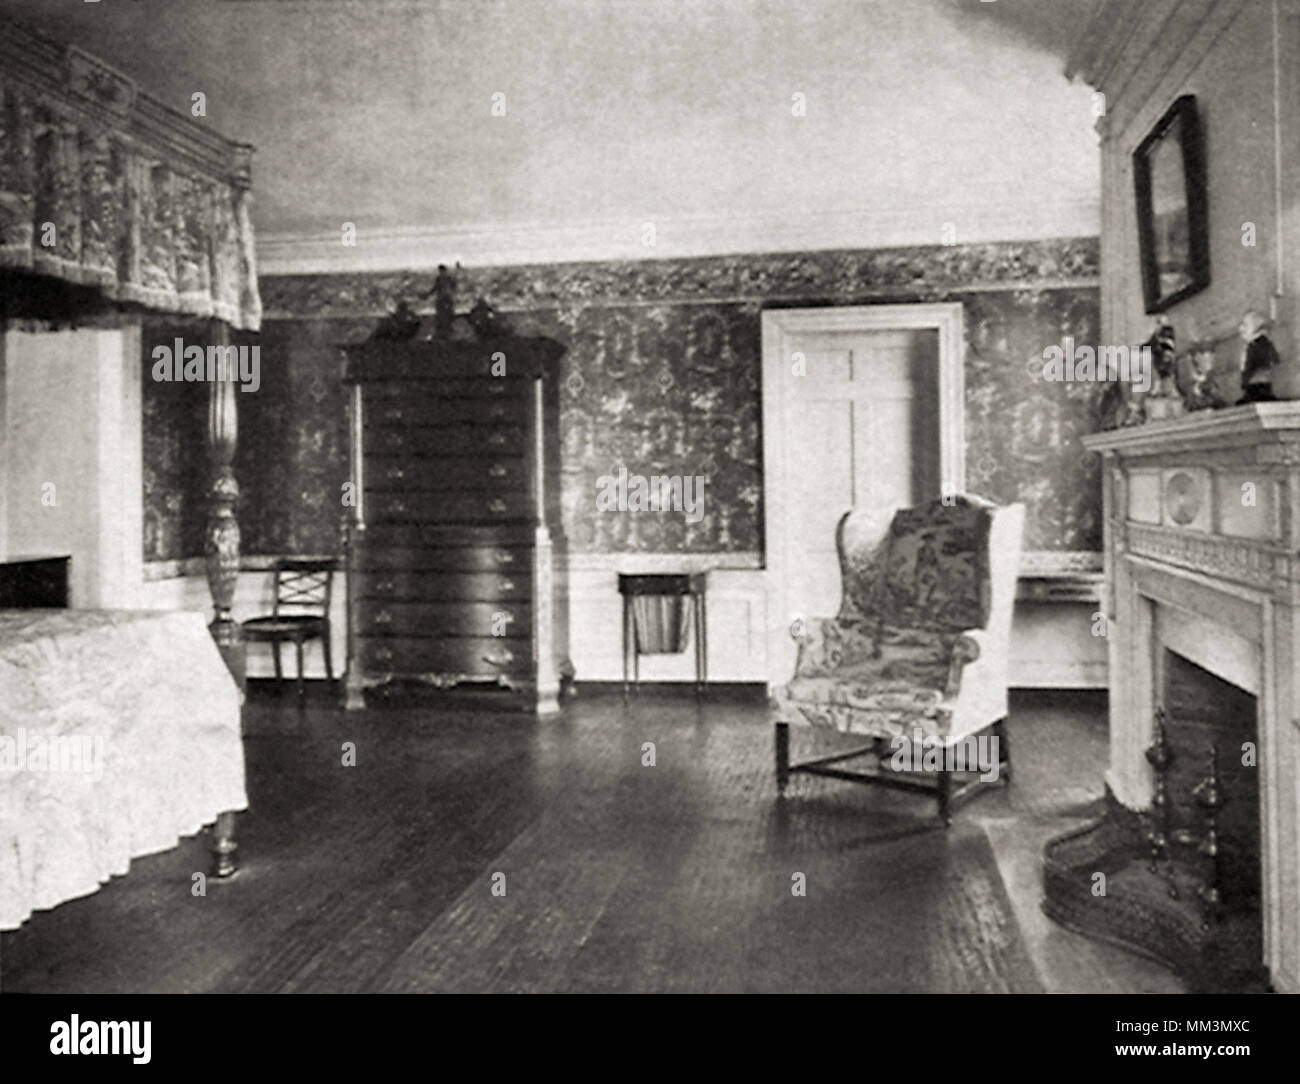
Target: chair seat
pixel 285 626
pixel 884 710
pixel 899 691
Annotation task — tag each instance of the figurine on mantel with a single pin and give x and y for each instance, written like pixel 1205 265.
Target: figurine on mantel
pixel 1200 387
pixel 1118 407
pixel 1258 358
pixel 1163 401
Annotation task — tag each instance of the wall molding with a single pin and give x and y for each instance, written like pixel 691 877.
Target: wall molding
pixel 1048 563
pixel 423 248
pixel 630 563
pixel 833 276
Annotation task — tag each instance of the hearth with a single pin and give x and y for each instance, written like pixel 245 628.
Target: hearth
pixel 1181 879
pixel 1202 608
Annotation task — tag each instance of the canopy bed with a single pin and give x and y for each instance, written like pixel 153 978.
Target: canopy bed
pixel 112 198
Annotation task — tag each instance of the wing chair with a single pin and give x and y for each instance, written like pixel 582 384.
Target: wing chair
pixel 916 659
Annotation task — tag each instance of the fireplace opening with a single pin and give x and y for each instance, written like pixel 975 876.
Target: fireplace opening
pixel 1203 710
pixel 1181 881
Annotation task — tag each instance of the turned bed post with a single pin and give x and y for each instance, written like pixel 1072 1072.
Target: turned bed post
pixel 225 850
pixel 221 545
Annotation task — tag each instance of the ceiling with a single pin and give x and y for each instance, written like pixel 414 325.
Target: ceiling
pixel 379 112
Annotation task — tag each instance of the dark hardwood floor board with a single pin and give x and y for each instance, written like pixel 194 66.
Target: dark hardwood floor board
pixel 620 877
pixel 516 942
pixel 414 840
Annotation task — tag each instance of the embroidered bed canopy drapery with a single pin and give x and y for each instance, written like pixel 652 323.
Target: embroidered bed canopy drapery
pixel 104 186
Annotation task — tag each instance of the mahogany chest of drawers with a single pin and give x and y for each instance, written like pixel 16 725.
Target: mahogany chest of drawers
pixel 454 469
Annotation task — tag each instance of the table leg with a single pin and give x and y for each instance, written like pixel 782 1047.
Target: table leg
pixel 626 617
pixel 699 642
pixel 704 642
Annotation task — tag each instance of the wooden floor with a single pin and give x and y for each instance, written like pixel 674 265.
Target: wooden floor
pixel 617 876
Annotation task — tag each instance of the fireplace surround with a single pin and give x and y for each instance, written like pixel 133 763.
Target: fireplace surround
pixel 1202 557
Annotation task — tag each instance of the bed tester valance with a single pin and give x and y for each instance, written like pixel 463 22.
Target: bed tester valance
pixel 104 186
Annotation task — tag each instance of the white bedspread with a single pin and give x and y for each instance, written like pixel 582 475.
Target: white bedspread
pixel 149 749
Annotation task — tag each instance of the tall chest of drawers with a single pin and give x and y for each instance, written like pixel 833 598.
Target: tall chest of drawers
pixel 450 578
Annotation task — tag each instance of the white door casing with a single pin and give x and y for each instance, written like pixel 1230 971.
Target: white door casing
pixel 802 487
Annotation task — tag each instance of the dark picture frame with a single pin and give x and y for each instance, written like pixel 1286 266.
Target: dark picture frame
pixel 1173 229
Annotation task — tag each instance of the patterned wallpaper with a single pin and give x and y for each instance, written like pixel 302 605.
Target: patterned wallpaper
pixel 174 425
pixel 291 458
pixel 662 376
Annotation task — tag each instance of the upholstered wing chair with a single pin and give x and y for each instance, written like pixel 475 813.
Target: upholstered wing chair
pixel 916 659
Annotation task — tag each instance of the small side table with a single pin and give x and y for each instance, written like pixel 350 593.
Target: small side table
pixel 665 637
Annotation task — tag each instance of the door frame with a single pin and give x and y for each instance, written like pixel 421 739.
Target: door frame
pixel 780 495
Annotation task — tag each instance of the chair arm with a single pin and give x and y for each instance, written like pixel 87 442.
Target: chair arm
pixel 966 648
pixel 826 642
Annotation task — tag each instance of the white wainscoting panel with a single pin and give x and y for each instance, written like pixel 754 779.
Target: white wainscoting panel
pixel 735 609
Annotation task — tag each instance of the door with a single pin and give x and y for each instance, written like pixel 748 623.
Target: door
pixel 862 431
pixel 856 421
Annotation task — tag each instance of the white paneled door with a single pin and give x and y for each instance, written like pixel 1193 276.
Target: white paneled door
pixel 854 418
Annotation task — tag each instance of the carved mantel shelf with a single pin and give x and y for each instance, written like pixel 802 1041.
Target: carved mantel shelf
pixel 1254 425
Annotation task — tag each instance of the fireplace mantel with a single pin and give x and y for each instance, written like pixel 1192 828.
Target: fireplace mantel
pixel 1202 556
pixel 1249 424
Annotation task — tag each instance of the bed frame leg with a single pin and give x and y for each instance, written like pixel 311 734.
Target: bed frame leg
pixel 225 851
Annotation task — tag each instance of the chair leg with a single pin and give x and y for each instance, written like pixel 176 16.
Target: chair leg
pixel 329 662
pixel 1004 749
pixel 302 685
pixel 275 656
pixel 943 783
pixel 782 757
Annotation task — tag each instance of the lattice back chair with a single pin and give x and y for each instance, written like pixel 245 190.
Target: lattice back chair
pixel 301 613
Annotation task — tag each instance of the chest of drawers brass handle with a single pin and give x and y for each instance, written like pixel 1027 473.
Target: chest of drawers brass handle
pixel 396 474
pixel 382 655
pixel 497 506
pixel 385 586
pixel 500 658
pixel 497 440
pixel 507 585
pixel 497 470
pixel 383 617
pixel 504 557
